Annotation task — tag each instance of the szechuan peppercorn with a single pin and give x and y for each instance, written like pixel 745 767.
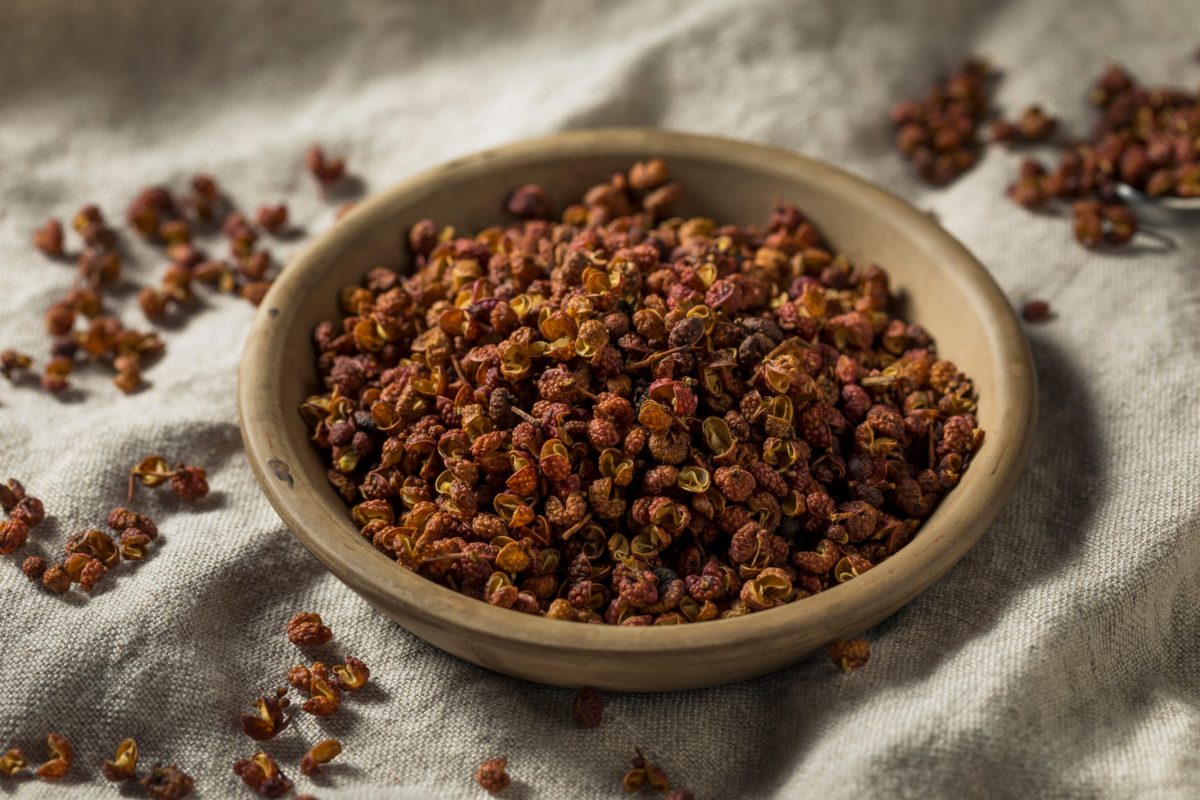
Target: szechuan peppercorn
pixel 629 418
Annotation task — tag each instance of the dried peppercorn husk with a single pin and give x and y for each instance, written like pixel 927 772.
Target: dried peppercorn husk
pixel 121 519
pixel 300 677
pixel 262 774
pixel 325 169
pixel 54 377
pixel 12 762
pixel 493 776
pixel 13 535
pixel 588 708
pixel 306 629
pixel 1035 310
pixel 134 544
pixel 11 493
pixel 352 675
pixel 56 579
pixel 267 721
pixel 622 417
pixel 49 238
pixel 96 544
pixel 123 766
pixel 13 362
pixel 325 696
pixel 679 793
pixel 643 773
pixel 1033 125
pixel 167 783
pixel 188 482
pixel 320 753
pixel 29 510
pixel 61 757
pixel 34 567
pixel 850 654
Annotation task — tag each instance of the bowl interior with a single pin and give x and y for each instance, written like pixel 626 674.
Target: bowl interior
pixel 940 285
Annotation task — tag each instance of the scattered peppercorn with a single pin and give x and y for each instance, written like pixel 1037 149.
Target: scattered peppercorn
pixel 351 676
pixel 34 567
pixel 13 535
pixel 272 218
pixel 12 362
pixel 325 697
pixel 12 762
pixel 99 263
pixel 122 519
pixel 306 629
pixel 939 134
pixel 262 774
pixel 325 169
pixel 56 580
pixel 530 202
pixel 54 379
pixel 49 238
pixel 189 483
pixel 1034 125
pixel 105 339
pixel 320 753
pixel 850 654
pixel 129 373
pixel 300 677
pixel 169 783
pixel 267 721
pixel 91 574
pixel 96 544
pixel 1035 310
pixel 1144 138
pixel 588 709
pixel 61 756
pixel 123 766
pixel 134 544
pixel 642 774
pixel 634 419
pixel 492 775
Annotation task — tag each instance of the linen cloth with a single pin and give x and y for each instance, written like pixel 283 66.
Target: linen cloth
pixel 1059 659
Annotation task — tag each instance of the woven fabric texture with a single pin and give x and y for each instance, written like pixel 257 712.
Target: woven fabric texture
pixel 1059 659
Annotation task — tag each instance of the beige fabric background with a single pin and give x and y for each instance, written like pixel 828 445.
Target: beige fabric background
pixel 1059 659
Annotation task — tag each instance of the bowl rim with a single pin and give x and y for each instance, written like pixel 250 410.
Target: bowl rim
pixel 842 610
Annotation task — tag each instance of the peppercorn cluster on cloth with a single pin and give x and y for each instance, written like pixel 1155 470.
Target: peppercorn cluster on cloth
pixel 1059 659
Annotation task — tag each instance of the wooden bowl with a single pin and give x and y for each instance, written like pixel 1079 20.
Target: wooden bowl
pixel 941 285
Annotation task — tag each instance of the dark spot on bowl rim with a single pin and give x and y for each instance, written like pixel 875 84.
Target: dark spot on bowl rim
pixel 281 470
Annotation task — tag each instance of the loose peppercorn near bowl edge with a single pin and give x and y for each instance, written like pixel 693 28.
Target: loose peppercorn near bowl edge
pixel 942 286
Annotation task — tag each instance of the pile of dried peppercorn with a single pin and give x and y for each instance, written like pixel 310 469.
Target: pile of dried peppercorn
pixel 615 415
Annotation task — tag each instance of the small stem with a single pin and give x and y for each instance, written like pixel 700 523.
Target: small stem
pixel 571 530
pixel 532 420
pixel 446 557
pixel 652 359
pixel 458 368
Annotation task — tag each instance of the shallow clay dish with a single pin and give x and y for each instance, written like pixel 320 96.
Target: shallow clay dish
pixel 942 287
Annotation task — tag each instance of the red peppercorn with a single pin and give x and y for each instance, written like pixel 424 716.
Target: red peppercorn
pixel 492 775
pixel 1035 310
pixel 49 238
